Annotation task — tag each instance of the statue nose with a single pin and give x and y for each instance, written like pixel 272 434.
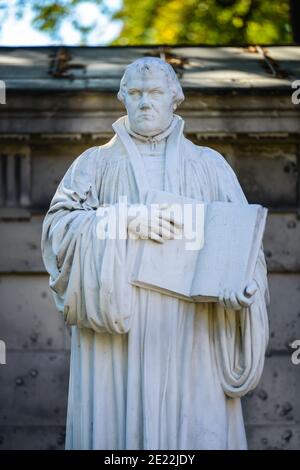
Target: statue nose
pixel 144 103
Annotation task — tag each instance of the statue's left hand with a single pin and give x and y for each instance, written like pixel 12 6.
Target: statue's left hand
pixel 237 300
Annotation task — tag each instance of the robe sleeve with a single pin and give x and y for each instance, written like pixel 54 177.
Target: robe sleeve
pixel 87 274
pixel 240 337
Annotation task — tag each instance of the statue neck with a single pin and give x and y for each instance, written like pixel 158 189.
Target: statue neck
pixel 155 138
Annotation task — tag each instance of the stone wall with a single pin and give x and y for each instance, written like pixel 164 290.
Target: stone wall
pixel 263 148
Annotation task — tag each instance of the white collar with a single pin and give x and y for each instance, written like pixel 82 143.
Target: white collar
pixel 173 163
pixel 155 138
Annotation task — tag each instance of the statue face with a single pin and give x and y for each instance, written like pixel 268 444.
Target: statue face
pixel 149 102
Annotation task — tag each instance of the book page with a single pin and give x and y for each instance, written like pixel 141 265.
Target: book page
pixel 257 241
pixel 224 259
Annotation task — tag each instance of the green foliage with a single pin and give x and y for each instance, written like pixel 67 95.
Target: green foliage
pixel 48 15
pixel 204 22
pixel 171 21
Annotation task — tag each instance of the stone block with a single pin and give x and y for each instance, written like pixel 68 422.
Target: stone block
pixel 29 319
pixel 33 389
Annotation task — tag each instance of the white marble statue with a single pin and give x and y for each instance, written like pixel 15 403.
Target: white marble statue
pixel 149 371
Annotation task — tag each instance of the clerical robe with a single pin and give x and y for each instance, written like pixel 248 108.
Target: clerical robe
pixel 147 371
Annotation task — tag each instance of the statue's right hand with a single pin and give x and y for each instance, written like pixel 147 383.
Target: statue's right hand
pixel 156 223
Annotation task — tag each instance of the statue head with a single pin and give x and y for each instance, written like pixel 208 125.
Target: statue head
pixel 151 92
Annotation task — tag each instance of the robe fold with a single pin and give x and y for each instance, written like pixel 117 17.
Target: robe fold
pixel 148 371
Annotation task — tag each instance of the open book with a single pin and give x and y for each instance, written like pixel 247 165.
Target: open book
pixel 224 256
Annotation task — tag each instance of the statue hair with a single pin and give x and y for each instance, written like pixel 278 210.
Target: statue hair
pixel 150 65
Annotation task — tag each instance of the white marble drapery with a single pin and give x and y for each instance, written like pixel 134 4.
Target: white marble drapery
pixel 148 371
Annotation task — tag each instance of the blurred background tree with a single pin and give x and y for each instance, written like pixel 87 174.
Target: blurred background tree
pixel 50 16
pixel 173 22
pixel 205 22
